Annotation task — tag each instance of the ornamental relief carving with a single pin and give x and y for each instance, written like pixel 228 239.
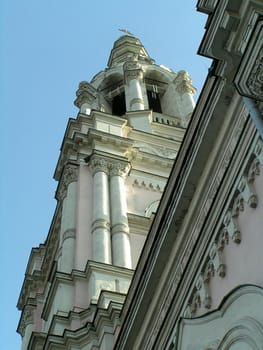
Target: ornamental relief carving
pixel 86 93
pixel 27 318
pixel 148 185
pixel 132 70
pixel 109 166
pixel 194 300
pixel 255 79
pixel 119 169
pixel 70 174
pixel 229 230
pixel 249 76
pixel 183 83
pixel 99 164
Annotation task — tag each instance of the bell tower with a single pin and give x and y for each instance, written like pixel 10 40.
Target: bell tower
pixel 115 159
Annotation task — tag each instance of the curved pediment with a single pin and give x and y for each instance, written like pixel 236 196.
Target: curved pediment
pixel 236 324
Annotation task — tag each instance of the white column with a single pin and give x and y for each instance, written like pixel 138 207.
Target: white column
pixel 121 247
pixel 136 102
pixel 68 187
pixel 133 88
pixel 101 239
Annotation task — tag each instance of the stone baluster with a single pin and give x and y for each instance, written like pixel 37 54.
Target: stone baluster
pixel 101 238
pixel 121 247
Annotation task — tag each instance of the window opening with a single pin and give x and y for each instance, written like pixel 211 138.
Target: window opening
pixel 119 105
pixel 154 101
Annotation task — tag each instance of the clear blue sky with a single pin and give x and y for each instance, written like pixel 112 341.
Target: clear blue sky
pixel 47 48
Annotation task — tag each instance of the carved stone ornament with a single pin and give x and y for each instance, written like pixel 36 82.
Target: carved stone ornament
pixel 244 195
pixel 249 78
pixel 217 260
pixel 26 319
pixel 119 169
pixel 132 70
pixel 98 163
pixel 148 185
pixel 202 287
pixel 254 170
pixel 70 174
pixel 231 227
pixel 86 93
pixel 255 80
pixel 247 191
pixel 183 83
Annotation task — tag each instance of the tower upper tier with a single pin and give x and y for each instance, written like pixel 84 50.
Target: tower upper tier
pixel 133 82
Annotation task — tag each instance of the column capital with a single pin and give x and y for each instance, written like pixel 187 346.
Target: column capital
pixel 27 318
pixel 69 175
pixel 119 168
pixel 132 70
pixel 98 163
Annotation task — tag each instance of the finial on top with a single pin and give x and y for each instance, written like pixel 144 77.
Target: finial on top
pixel 126 32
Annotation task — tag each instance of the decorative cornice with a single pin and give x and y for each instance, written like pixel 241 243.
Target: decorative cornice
pixel 249 77
pixel 244 194
pixel 149 185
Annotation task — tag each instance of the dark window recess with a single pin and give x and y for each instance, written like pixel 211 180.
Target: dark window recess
pixel 118 105
pixel 154 101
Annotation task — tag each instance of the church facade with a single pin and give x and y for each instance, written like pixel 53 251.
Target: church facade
pixel 123 268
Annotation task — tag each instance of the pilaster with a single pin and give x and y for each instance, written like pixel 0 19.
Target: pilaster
pixel 68 194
